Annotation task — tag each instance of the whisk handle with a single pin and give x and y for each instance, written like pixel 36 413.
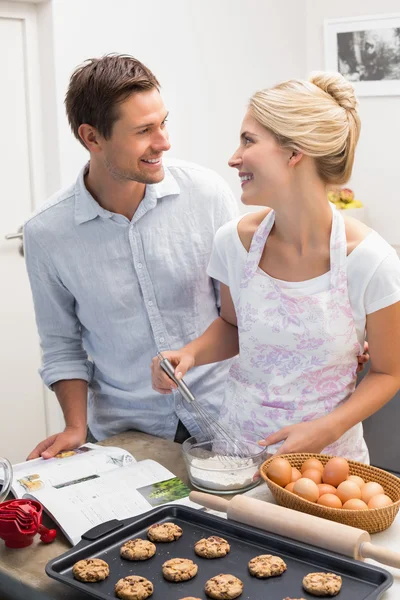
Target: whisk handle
pixel 182 387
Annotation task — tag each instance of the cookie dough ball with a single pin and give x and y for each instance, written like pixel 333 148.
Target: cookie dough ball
pixel 164 532
pixel 137 549
pixel 90 570
pixel 133 587
pixel 322 584
pixel 267 565
pixel 212 547
pixel 224 587
pixel 179 569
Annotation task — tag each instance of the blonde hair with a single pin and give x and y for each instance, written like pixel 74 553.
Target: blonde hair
pixel 317 117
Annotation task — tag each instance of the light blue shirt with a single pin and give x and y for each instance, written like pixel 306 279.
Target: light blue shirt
pixel 109 293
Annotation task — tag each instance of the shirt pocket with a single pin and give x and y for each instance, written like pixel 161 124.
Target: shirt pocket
pixel 177 262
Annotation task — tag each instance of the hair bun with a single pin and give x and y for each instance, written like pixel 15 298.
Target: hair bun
pixel 336 86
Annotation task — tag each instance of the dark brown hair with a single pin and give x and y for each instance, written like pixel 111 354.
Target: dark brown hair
pixel 99 85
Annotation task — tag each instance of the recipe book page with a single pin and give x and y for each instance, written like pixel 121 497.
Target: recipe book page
pixel 89 461
pixel 118 494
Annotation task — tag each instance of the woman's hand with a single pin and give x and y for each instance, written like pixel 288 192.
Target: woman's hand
pixel 181 360
pixel 309 436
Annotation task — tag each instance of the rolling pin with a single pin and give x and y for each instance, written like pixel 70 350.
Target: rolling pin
pixel 299 526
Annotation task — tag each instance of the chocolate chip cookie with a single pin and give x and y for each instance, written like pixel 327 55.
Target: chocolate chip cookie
pixel 133 587
pixel 179 569
pixel 266 565
pixel 164 532
pixel 137 549
pixel 212 547
pixel 90 570
pixel 224 587
pixel 322 584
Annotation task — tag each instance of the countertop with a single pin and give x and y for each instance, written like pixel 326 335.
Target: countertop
pixel 22 575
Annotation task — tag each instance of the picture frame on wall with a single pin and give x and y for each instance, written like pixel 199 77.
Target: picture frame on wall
pixel 366 50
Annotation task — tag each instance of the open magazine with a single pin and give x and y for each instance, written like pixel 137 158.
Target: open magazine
pixel 93 484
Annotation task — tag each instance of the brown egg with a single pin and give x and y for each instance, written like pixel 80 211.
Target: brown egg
pixel 325 488
pixel 296 474
pixel 312 463
pixel 330 500
pixel 313 474
pixel 290 486
pixel 307 489
pixel 347 490
pixel 355 504
pixel 280 471
pixel 371 489
pixel 358 480
pixel 379 501
pixel 336 470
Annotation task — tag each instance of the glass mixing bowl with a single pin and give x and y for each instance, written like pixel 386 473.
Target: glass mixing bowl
pixel 212 468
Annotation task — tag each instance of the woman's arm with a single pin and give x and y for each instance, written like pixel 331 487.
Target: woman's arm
pixel 383 379
pixel 376 389
pixel 219 342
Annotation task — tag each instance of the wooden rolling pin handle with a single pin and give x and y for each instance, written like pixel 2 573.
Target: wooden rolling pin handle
pixel 382 555
pixel 289 523
pixel 209 501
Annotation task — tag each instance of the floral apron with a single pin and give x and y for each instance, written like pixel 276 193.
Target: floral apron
pixel 298 354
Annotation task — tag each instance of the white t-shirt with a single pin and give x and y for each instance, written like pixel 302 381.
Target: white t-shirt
pixel 373 273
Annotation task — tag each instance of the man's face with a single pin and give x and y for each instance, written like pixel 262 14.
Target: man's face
pixel 138 139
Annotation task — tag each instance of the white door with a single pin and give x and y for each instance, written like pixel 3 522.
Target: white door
pixel 22 395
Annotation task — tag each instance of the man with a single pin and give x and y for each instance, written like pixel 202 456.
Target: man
pixel 117 263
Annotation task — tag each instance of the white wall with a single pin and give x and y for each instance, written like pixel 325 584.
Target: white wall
pixel 209 56
pixel 376 176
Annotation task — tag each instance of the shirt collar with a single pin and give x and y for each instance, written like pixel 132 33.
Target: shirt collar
pixel 87 209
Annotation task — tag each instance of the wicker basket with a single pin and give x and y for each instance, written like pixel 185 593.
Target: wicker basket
pixel 373 520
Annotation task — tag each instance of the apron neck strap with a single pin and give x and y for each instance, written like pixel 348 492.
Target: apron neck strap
pixel 338 248
pixel 257 245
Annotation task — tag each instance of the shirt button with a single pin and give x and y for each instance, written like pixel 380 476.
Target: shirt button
pixel 139 265
pixel 150 303
pixel 162 340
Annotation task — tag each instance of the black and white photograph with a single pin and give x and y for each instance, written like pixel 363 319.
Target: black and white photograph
pixel 367 52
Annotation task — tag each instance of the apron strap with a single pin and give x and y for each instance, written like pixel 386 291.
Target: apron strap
pixel 257 247
pixel 338 249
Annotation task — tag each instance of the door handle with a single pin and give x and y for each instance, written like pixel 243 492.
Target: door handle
pixel 18 235
pixel 14 236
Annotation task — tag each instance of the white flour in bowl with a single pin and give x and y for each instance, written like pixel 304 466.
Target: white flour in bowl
pixel 239 473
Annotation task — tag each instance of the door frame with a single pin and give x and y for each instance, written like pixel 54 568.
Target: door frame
pixel 27 13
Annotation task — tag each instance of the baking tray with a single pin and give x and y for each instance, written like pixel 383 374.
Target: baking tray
pixel 360 581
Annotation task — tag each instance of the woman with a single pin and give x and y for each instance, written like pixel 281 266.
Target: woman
pixel 300 284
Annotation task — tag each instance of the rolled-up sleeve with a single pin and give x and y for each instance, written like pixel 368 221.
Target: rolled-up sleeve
pixel 63 356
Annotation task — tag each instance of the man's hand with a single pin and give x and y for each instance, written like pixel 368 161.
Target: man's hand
pixel 309 436
pixel 363 358
pixel 69 439
pixel 181 360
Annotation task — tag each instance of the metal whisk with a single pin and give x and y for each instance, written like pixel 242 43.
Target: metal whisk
pixel 226 446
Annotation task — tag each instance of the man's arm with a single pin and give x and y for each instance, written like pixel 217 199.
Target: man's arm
pixel 65 365
pixel 72 396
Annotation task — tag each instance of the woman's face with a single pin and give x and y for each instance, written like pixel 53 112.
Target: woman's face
pixel 262 163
